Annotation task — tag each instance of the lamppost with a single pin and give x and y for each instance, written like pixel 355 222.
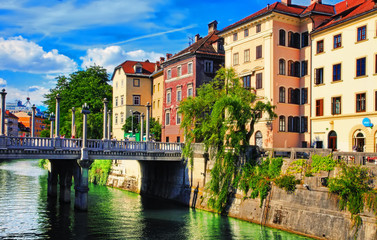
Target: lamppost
pixel 52 119
pixel 2 119
pixel 132 122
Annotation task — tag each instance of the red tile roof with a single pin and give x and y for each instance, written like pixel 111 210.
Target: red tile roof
pixel 128 67
pixel 203 45
pixel 347 10
pixel 295 10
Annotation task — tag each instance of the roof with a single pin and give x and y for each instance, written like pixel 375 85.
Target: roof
pixel 293 10
pixel 347 10
pixel 128 67
pixel 10 115
pixel 203 46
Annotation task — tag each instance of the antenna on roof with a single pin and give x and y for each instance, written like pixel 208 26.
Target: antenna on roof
pixel 191 40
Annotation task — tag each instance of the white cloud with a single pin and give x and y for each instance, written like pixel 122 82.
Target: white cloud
pixel 34 92
pixel 3 82
pixel 70 15
pixel 19 54
pixel 112 56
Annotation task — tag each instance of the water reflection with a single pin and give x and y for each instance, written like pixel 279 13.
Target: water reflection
pixel 27 213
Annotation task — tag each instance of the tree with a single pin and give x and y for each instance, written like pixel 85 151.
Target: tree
pixel 154 126
pixel 223 116
pixel 86 86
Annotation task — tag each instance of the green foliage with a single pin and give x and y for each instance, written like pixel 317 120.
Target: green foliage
pixel 320 163
pixel 99 171
pixel 297 166
pixel 287 182
pixel 155 127
pixel 352 186
pixel 256 178
pixel 222 116
pixel 43 163
pixel 45 133
pixel 86 86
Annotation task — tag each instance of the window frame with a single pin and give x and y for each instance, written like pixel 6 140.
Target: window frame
pixel 179 117
pixel 235 37
pixel 189 68
pixel 235 59
pixel 282 66
pixel 167 117
pixel 361 102
pixel 337 72
pixel 246 32
pixel 179 71
pixel 190 87
pixel 320 46
pixel 337 41
pixel 361 67
pixel 334 107
pixel 246 55
pixel 179 94
pixel 282 124
pixel 246 81
pixel 319 107
pixel 318 80
pixel 304 68
pixel 168 96
pixel 282 37
pixel 168 74
pixel 282 95
pixel 259 81
pixel 134 99
pixel 208 66
pixel 258 28
pixel 258 52
pixel 362 33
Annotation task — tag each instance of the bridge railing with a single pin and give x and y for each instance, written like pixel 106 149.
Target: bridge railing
pixel 29 143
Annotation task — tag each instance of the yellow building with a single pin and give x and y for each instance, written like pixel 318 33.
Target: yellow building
pixel 270 51
pixel 132 90
pixel 158 93
pixel 344 67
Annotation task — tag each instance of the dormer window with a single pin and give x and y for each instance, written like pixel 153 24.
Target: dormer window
pixel 138 68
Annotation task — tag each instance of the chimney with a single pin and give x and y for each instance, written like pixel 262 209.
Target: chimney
pixel 315 1
pixel 197 37
pixel 162 59
pixel 157 65
pixel 286 2
pixel 168 55
pixel 212 26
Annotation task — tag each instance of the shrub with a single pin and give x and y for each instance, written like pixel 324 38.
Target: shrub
pixel 287 182
pixel 99 171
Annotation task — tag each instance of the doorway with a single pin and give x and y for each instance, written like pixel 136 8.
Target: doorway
pixel 259 139
pixel 359 142
pixel 332 143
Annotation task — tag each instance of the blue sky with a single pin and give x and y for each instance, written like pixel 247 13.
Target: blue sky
pixel 40 40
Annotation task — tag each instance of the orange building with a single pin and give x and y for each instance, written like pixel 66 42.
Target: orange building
pixel 25 119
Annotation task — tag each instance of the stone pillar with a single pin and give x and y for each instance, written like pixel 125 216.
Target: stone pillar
pixel 142 127
pixel 73 125
pixel 52 119
pixel 147 124
pixel 33 120
pixel 52 180
pixel 81 184
pixel 105 102
pixel 109 124
pixel 85 111
pixel 65 180
pixel 2 119
pixel 57 116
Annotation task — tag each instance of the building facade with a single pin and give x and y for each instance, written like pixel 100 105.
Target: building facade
pixel 270 50
pixel 132 90
pixel 11 124
pixel 184 73
pixel 25 119
pixel 344 92
pixel 158 93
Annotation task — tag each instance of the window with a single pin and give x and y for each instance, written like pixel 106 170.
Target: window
pixel 304 68
pixel 116 119
pixel 259 52
pixel 154 88
pixel 320 46
pixel 246 81
pixel 167 118
pixel 258 28
pixel 169 74
pixel 281 66
pixel 208 66
pixel 168 96
pixel 282 94
pixel 375 101
pixel 136 99
pixel 179 94
pixel 336 72
pixel 294 96
pixel 189 90
pixel 360 67
pixel 235 59
pixel 116 101
pixel 121 117
pixel 361 33
pixel 179 71
pixel 235 37
pixel 189 68
pixel 304 95
pixel 167 139
pixel 139 69
pixel 293 124
pixel 318 76
pixel 282 37
pixel 121 100
pixel 336 105
pixel 179 118
pixel 304 124
pixel 304 39
pixel 158 87
pixel 282 124
pixel 360 102
pixel 375 64
pixel 246 32
pixel 178 139
pixel 293 40
pixel 246 55
pixel 319 107
pixel 258 81
pixel 337 41
pixel 293 68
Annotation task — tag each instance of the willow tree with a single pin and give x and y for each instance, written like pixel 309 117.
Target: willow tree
pixel 222 116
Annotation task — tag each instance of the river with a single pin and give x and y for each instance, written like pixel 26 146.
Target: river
pixel 27 213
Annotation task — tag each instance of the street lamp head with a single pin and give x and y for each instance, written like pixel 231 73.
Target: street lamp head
pixel 105 100
pixel 33 107
pixel 73 109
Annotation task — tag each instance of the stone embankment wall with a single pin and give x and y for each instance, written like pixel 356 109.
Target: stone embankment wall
pixel 309 211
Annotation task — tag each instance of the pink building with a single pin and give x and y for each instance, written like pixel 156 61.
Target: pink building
pixel 184 73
